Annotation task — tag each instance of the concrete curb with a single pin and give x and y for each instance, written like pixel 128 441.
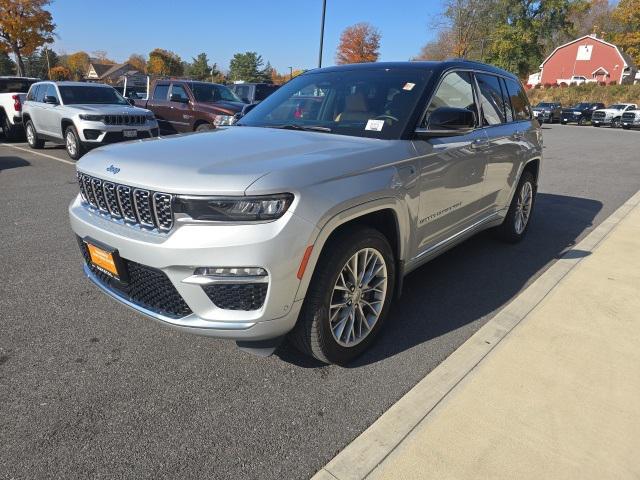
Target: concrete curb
pixel 368 450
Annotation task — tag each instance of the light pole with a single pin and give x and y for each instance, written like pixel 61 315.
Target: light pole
pixel 290 73
pixel 324 11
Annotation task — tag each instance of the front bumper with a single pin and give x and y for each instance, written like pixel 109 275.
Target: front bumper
pixel 98 133
pixel 631 123
pixel 601 121
pixel 276 246
pixel 542 116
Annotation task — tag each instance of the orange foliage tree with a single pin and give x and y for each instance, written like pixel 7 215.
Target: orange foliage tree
pixel 24 26
pixel 359 43
pixel 78 64
pixel 60 73
pixel 626 15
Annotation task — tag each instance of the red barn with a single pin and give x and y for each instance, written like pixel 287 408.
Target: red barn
pixel 589 57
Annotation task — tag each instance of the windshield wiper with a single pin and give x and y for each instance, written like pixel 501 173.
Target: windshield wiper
pixel 308 128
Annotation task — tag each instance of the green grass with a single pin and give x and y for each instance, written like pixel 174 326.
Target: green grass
pixel 586 93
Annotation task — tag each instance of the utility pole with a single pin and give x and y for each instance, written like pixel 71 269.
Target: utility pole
pixel 324 11
pixel 46 52
pixel 290 73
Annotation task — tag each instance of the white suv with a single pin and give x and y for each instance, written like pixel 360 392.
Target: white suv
pixel 82 115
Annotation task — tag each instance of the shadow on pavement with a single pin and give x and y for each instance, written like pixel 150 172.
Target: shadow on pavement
pixel 12 162
pixel 474 279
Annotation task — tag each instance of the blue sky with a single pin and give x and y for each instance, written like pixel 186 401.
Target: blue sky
pixel 284 32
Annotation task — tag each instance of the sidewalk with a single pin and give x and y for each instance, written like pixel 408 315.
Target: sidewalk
pixel 557 398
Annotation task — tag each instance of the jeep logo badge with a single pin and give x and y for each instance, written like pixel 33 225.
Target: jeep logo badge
pixel 113 169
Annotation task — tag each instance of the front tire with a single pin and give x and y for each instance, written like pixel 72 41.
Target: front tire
pixel 75 148
pixel 615 123
pixel 348 298
pixel 204 127
pixel 515 225
pixel 32 136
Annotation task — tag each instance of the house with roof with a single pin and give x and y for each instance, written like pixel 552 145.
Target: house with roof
pixel 590 57
pixel 111 74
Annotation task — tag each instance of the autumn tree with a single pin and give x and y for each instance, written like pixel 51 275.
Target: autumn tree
pixel 138 62
pixel 247 67
pixel 164 62
pixel 359 43
pixel 60 73
pixel 101 57
pixel 78 64
pixel 626 16
pixel 25 25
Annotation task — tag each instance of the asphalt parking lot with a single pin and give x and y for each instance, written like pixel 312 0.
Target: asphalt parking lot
pixel 89 389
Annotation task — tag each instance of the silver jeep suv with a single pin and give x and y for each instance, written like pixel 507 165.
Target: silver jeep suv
pixel 303 218
pixel 82 115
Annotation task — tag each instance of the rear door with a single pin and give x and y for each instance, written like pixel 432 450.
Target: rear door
pixel 158 103
pixel 180 114
pixel 36 107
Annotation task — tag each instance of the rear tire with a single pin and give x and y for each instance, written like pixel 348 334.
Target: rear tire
pixel 581 122
pixel 73 144
pixel 8 130
pixel 342 314
pixel 515 225
pixel 32 136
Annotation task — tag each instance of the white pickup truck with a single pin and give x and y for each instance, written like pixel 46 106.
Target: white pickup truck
pixel 576 80
pixel 13 91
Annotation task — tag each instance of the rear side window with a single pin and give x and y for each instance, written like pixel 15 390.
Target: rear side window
pixel 32 93
pixel 491 99
pixel 41 92
pixel 161 92
pixel 519 100
pixel 506 101
pixel 8 85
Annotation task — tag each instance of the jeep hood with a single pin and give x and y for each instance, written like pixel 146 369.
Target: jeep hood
pixel 227 161
pixel 107 109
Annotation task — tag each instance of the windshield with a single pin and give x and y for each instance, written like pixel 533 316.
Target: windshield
pixel 617 106
pixel 15 85
pixel 545 105
pixel 209 93
pixel 375 103
pixel 582 106
pixel 94 95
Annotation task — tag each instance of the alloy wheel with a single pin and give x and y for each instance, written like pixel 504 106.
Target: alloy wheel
pixel 72 147
pixel 358 297
pixel 31 136
pixel 523 207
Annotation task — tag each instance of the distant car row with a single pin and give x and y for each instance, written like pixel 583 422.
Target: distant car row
pixel 625 115
pixel 84 115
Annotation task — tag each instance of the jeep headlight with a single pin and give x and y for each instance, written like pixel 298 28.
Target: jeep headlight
pixel 91 118
pixel 234 209
pixel 578 113
pixel 150 116
pixel 223 120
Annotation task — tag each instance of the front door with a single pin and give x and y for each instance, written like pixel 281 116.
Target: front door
pixel 180 115
pixel 452 168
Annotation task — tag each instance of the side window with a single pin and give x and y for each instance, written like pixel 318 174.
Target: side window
pixel 40 93
pixel 491 99
pixel 179 91
pixel 519 101
pixel 161 92
pixel 506 101
pixel 454 91
pixel 51 92
pixel 32 93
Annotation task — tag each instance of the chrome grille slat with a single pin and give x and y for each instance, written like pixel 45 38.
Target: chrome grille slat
pixel 124 119
pixel 137 206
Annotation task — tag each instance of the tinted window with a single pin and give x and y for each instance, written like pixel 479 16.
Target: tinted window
pixel 244 92
pixel 210 92
pixel 161 92
pixel 179 91
pixel 491 99
pixel 32 93
pixel 508 112
pixel 519 101
pixel 456 91
pixel 8 85
pixel 90 95
pixel 263 91
pixel 51 92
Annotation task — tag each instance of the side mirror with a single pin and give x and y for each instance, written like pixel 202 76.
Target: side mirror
pixel 51 100
pixel 178 99
pixel 246 109
pixel 448 122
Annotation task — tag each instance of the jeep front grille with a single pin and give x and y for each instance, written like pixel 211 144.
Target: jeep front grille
pixel 124 119
pixel 599 115
pixel 136 206
pixel 629 116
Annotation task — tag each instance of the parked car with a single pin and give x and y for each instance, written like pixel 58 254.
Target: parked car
pixel 631 119
pixel 576 80
pixel 580 113
pixel 82 116
pixel 611 115
pixel 13 91
pixel 306 224
pixel 187 106
pixel 548 112
pixel 253 92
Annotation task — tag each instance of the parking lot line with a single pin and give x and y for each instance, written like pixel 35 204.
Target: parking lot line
pixel 38 153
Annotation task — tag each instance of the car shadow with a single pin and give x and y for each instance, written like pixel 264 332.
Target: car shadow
pixel 8 162
pixel 474 280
